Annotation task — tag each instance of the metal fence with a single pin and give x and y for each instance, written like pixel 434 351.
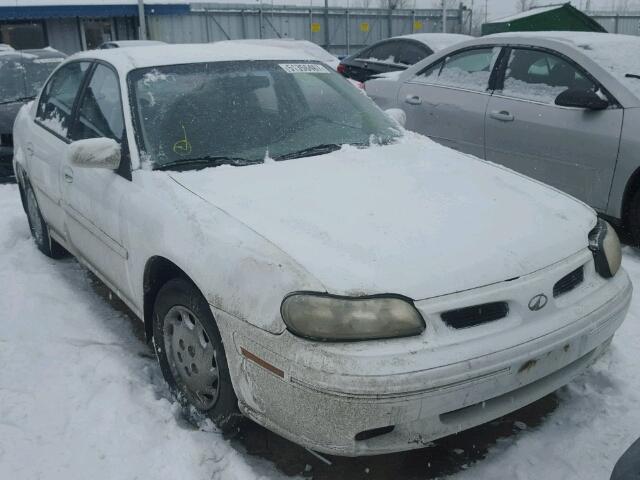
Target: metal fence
pixel 339 30
pixel 626 23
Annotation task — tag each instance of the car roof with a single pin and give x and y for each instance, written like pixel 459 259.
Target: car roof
pixel 437 41
pixel 305 46
pixel 130 58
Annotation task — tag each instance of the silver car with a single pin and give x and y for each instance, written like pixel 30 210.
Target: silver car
pixel 561 107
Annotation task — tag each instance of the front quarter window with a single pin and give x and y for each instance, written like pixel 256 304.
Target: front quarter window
pixel 239 112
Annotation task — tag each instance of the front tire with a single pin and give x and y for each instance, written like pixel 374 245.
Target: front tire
pixel 38 227
pixel 191 354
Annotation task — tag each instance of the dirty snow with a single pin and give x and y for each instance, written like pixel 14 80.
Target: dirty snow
pixel 81 396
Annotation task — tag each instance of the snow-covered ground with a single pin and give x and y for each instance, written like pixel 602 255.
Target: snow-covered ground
pixel 81 397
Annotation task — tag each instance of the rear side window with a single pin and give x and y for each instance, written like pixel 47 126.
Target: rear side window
pixel 469 69
pixel 384 52
pixel 100 113
pixel 541 76
pixel 408 53
pixel 58 96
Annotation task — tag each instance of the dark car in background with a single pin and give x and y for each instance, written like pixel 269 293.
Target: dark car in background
pixel 22 73
pixel 395 54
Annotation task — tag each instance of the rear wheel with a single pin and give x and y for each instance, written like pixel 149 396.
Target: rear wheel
pixel 191 355
pixel 38 226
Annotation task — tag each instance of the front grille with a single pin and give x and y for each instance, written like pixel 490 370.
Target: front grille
pixel 475 315
pixel 6 140
pixel 568 282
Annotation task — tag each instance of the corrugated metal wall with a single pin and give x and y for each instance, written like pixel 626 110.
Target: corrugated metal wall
pixel 222 22
pixel 628 24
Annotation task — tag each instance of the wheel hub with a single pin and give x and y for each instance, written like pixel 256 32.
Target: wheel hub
pixel 192 357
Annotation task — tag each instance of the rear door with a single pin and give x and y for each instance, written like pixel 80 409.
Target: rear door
pixel 447 100
pixel 572 149
pixel 46 147
pixel 93 197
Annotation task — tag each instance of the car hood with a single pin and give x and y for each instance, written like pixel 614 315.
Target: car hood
pixel 412 218
pixel 8 113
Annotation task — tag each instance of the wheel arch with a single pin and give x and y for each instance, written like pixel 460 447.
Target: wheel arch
pixel 158 270
pixel 632 186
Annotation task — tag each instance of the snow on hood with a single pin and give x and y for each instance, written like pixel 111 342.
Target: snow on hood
pixel 413 218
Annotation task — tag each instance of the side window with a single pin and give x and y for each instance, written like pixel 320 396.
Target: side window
pixel 541 76
pixel 469 69
pixel 380 53
pixel 56 102
pixel 100 113
pixel 408 53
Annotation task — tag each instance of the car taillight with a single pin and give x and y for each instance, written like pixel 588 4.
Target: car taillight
pixel 342 69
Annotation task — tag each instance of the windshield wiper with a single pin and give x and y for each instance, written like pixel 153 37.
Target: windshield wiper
pixel 632 75
pixel 310 151
pixel 15 100
pixel 203 162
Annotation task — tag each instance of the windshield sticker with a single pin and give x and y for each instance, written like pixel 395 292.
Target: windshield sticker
pixel 48 60
pixel 182 147
pixel 303 68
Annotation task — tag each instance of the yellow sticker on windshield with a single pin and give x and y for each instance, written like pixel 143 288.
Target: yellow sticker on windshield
pixel 182 147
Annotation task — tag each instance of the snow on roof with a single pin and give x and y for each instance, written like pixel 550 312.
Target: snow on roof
pixel 528 13
pixel 309 48
pixel 617 54
pixel 437 41
pixel 129 58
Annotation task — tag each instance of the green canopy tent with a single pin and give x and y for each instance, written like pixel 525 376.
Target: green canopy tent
pixel 553 17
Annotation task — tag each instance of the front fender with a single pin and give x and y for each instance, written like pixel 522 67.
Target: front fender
pixel 237 270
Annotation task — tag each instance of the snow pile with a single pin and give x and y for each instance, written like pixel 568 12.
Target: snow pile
pixel 80 395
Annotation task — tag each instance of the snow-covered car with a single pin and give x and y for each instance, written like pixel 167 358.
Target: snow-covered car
pixel 311 49
pixel 22 74
pixel 129 44
pixel 395 54
pixel 298 257
pixel 560 107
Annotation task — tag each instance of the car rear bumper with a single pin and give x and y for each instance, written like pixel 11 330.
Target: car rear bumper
pixel 324 414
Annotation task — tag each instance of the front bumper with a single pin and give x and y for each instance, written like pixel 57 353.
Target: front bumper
pixel 324 396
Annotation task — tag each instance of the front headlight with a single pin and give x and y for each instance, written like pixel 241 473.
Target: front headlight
pixel 605 245
pixel 319 316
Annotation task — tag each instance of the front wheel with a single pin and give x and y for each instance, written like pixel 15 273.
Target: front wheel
pixel 190 352
pixel 38 227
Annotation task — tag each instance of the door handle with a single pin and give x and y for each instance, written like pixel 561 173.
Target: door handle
pixel 29 148
pixel 413 100
pixel 502 115
pixel 68 175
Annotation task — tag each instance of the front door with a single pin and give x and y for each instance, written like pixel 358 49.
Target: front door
pixel 47 150
pixel 93 198
pixel 447 101
pixel 572 149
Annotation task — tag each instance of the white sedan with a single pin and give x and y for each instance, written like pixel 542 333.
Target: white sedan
pixel 298 257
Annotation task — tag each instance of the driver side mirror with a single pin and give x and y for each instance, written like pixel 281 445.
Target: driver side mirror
pixel 575 97
pixel 398 115
pixel 95 153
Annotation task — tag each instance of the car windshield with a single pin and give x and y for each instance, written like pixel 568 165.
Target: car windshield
pixel 22 75
pixel 246 111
